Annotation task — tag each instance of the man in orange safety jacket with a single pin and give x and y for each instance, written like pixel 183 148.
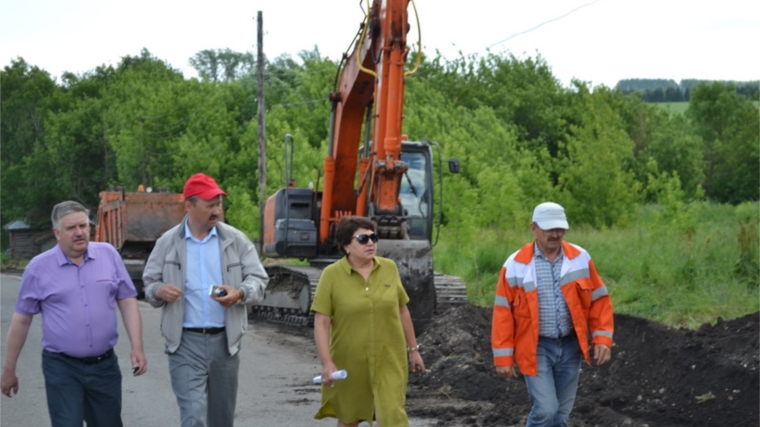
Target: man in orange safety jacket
pixel 549 302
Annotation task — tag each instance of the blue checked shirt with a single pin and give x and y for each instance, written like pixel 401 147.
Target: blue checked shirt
pixel 553 315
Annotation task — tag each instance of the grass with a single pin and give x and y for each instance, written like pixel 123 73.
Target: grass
pixel 683 271
pixel 6 263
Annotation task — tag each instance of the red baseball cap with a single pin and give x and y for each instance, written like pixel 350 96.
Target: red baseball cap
pixel 203 186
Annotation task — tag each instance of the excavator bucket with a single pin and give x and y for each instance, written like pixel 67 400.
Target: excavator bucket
pixel 414 259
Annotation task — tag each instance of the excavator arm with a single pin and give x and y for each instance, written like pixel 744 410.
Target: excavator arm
pixel 371 86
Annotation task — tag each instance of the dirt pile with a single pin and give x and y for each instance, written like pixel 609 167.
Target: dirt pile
pixel 658 377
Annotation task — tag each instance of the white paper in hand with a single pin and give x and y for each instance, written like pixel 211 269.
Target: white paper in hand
pixel 337 375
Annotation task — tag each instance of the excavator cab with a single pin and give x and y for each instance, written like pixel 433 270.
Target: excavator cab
pixel 415 194
pixel 291 215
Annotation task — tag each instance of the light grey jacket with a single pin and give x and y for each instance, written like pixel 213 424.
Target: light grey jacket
pixel 241 269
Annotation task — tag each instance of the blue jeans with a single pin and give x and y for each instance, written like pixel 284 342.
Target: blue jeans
pixel 78 393
pixel 552 391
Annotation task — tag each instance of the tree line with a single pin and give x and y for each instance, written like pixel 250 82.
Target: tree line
pixel 664 90
pixel 521 136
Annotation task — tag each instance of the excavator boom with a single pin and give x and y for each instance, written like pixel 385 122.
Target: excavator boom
pixel 371 85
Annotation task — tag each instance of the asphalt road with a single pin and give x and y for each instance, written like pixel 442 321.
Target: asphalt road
pixel 275 377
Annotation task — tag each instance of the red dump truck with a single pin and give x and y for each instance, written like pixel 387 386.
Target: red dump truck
pixel 133 221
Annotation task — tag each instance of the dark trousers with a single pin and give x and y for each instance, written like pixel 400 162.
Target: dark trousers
pixel 78 392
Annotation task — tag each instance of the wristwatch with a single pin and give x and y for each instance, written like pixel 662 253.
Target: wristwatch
pixel 241 299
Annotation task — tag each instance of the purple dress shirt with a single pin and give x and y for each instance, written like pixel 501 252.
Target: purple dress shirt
pixel 78 303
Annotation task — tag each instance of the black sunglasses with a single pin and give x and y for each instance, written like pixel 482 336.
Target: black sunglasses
pixel 363 239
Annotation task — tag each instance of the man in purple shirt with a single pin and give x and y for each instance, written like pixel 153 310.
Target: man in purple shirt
pixel 77 286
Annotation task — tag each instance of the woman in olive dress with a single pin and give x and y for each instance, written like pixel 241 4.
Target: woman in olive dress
pixel 362 325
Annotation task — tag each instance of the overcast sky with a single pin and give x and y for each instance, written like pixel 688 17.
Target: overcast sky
pixel 597 41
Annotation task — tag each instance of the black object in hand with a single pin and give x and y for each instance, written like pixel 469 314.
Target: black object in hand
pixel 219 292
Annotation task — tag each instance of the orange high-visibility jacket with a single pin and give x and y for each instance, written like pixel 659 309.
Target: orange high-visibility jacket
pixel 514 332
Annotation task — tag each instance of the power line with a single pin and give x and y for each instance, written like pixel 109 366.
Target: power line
pixel 289 104
pixel 543 23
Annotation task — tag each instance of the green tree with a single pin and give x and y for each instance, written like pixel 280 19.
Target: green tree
pixel 77 151
pixel 596 187
pixel 29 94
pixel 677 151
pixel 149 109
pixel 304 93
pixel 521 92
pixel 521 137
pixel 222 64
pixel 728 125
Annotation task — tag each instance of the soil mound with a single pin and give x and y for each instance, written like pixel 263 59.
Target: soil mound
pixel 658 376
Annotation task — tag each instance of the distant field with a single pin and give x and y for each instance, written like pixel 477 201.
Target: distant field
pixel 680 107
pixel 675 107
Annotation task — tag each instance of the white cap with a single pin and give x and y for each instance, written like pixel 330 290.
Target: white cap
pixel 549 216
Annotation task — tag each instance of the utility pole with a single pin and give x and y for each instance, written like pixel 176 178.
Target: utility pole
pixel 262 129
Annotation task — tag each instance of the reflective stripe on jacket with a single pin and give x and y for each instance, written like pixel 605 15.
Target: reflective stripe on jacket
pixel 514 332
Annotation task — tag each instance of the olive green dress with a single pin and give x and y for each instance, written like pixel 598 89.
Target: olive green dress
pixel 367 340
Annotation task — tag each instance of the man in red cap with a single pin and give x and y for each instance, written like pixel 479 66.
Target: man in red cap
pixel 202 273
pixel 550 302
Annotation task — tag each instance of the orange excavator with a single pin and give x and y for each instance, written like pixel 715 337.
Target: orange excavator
pixel 371 170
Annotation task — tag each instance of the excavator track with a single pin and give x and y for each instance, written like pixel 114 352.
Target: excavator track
pixel 288 295
pixel 450 291
pixel 291 291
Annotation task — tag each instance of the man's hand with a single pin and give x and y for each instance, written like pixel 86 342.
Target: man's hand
pixel 139 362
pixel 169 292
pixel 232 297
pixel 9 382
pixel 506 371
pixel 20 324
pixel 602 354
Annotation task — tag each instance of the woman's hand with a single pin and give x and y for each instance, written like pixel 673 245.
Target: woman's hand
pixel 322 324
pixel 327 371
pixel 415 362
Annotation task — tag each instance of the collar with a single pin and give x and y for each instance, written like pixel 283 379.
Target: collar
pixel 538 253
pixel 189 234
pixel 344 265
pixel 526 253
pixel 62 259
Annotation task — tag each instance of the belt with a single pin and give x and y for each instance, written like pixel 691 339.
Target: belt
pixel 570 336
pixel 205 331
pixel 92 359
